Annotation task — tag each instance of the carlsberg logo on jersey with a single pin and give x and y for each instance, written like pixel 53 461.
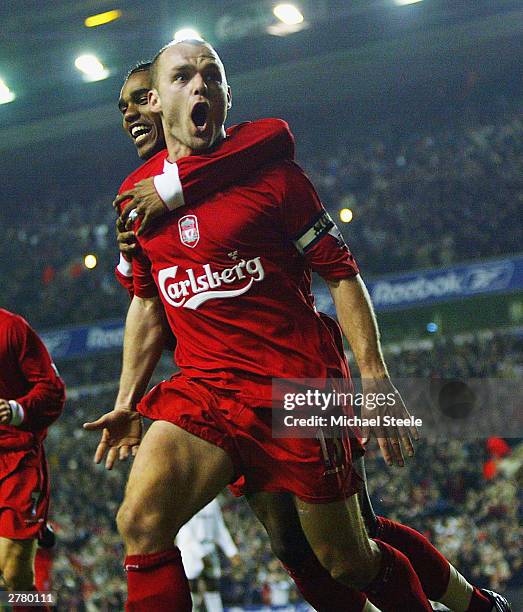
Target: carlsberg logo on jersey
pixel 200 287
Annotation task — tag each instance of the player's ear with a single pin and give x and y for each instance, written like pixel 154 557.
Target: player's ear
pixel 229 98
pixel 154 101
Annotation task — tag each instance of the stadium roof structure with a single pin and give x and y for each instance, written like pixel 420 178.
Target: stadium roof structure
pixel 361 53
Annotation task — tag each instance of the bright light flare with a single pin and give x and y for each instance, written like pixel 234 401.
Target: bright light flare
pixel 90 261
pixel 405 2
pixel 187 34
pixel 91 67
pixel 346 215
pixel 288 14
pixel 6 95
pixel 102 18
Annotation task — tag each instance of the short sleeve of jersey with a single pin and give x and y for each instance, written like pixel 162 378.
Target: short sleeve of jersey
pixel 143 282
pixel 140 282
pixel 312 230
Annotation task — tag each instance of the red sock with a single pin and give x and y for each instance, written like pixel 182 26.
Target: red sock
pixel 157 582
pixel 479 602
pixel 396 587
pixel 430 565
pixel 320 589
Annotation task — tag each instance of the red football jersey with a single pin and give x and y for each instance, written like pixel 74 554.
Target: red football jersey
pixel 28 376
pixel 248 146
pixel 231 272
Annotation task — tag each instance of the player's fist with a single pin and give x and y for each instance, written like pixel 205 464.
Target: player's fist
pixel 121 435
pixel 6 412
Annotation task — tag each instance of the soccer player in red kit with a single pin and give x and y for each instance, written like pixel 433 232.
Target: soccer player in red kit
pixel 32 397
pixel 200 281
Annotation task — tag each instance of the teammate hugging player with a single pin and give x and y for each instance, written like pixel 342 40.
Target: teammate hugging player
pixel 32 397
pixel 213 420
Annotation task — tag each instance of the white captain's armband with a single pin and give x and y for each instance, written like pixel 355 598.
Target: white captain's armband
pixel 321 225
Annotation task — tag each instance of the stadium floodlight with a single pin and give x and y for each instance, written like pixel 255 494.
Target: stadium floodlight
pixel 90 261
pixel 187 34
pixel 405 2
pixel 346 215
pixel 102 18
pixel 288 14
pixel 91 67
pixel 6 95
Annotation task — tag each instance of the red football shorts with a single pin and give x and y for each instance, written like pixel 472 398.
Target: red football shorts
pixel 24 493
pixel 313 470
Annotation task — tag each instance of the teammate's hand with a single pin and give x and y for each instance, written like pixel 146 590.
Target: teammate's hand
pixel 393 440
pixel 6 412
pixel 127 244
pixel 145 200
pixel 121 435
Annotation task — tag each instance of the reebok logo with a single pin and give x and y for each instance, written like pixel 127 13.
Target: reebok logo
pixel 205 284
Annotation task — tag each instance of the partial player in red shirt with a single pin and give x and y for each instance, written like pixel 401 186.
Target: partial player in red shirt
pixel 409 545
pixel 32 397
pixel 248 146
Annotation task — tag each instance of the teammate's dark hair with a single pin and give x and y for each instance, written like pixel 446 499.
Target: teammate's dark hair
pixel 140 67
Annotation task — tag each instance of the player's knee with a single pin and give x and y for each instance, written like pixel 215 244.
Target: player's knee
pixel 352 568
pixel 289 546
pixel 138 524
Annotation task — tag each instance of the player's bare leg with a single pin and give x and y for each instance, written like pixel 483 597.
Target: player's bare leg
pixel 174 475
pixel 17 563
pixel 277 513
pixel 337 535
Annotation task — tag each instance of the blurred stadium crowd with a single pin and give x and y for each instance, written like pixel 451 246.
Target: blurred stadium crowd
pixel 464 496
pixel 423 199
pixel 419 200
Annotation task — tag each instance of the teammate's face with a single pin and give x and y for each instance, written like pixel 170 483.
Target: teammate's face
pixel 143 126
pixel 192 95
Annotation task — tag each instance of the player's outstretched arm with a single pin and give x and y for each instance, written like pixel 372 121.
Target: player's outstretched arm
pixel 248 146
pixel 143 344
pixel 358 322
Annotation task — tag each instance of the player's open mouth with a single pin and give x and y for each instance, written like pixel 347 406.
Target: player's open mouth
pixel 139 132
pixel 199 116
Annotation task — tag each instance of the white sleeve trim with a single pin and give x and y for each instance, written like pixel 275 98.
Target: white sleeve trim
pixel 18 413
pixel 169 187
pixel 124 267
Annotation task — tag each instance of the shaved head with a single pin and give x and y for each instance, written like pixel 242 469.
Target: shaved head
pixel 195 42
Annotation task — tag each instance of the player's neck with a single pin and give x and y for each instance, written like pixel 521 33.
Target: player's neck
pixel 176 150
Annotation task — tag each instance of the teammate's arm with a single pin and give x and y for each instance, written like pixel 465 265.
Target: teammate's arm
pixel 248 146
pixel 44 401
pixel 143 344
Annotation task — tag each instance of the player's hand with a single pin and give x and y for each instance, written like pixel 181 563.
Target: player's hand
pixel 127 244
pixel 145 201
pixel 393 440
pixel 236 561
pixel 121 435
pixel 6 413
